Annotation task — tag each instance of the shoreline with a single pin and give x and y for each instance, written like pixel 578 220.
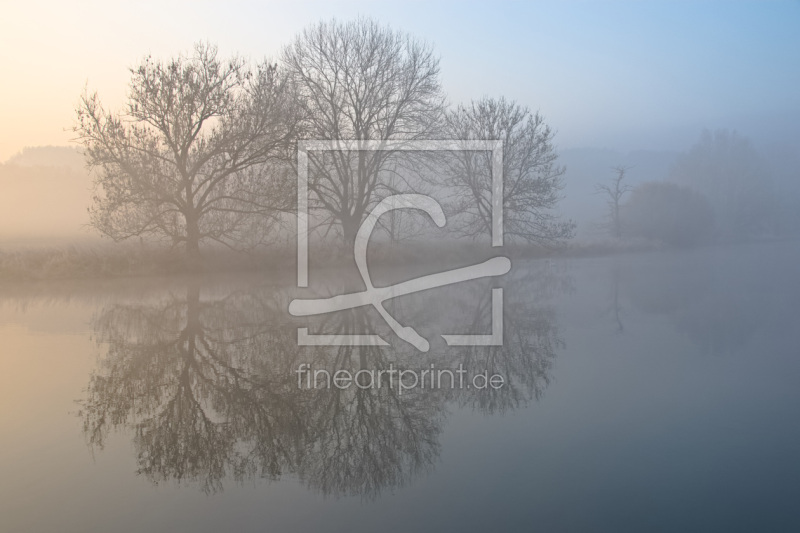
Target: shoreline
pixel 106 261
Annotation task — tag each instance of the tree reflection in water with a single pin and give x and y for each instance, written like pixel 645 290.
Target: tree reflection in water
pixel 208 386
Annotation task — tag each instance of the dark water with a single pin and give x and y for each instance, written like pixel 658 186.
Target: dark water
pixel 648 392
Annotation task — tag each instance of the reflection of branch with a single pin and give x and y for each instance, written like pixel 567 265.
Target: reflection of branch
pixel 209 389
pixel 194 402
pixel 365 440
pixel 524 360
pixel 530 334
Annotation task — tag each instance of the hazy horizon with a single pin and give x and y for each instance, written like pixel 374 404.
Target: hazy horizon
pixel 437 266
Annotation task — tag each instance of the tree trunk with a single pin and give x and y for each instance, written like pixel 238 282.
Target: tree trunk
pixel 193 259
pixel 617 225
pixel 350 227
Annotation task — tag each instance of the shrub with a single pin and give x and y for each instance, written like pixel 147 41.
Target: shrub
pixel 668 213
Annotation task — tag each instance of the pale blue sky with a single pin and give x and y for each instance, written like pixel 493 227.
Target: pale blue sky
pixel 621 75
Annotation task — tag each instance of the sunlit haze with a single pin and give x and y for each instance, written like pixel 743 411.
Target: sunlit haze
pixel 621 75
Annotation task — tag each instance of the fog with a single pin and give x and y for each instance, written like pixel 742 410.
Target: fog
pixel 358 266
pixel 647 378
pixel 46 192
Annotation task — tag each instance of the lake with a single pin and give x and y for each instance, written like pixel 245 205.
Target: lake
pixel 640 392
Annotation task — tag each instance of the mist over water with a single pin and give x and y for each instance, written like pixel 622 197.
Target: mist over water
pixel 638 386
pixel 358 266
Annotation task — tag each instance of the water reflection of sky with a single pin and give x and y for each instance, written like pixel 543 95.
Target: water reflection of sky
pixel 647 392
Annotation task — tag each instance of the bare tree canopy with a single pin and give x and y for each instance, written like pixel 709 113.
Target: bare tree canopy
pixel 532 181
pixel 198 154
pixel 614 192
pixel 360 81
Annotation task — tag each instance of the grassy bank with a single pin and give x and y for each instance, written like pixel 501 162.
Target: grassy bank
pixel 108 261
pixel 120 261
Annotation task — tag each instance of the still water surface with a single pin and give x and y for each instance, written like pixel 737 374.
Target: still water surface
pixel 645 392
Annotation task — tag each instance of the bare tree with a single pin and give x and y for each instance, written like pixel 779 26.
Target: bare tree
pixel 614 192
pixel 198 154
pixel 365 82
pixel 531 179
